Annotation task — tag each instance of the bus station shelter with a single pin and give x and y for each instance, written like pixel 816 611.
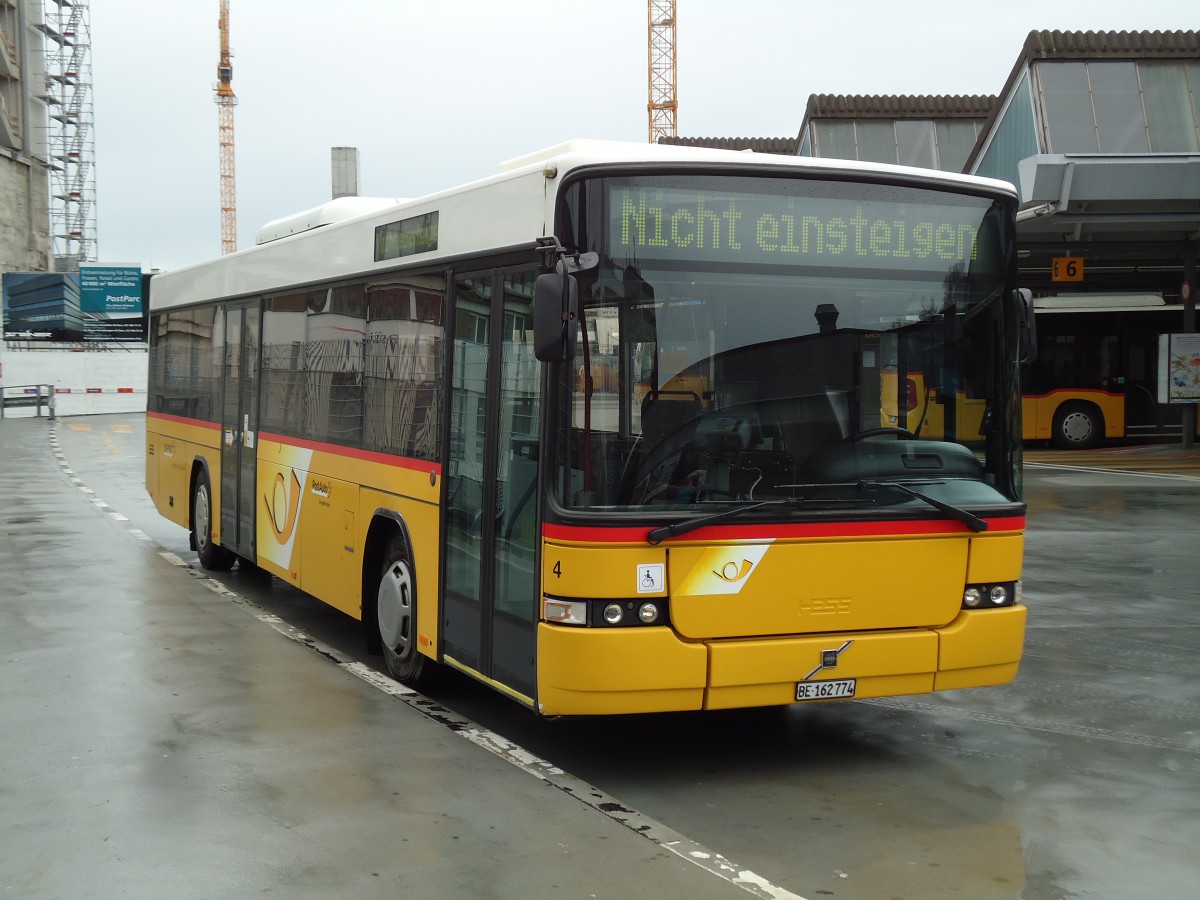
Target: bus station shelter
pixel 1100 133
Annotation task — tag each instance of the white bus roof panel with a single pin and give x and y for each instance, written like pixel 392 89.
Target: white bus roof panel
pixel 502 212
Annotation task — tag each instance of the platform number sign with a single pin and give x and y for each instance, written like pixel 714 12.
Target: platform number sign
pixel 1067 268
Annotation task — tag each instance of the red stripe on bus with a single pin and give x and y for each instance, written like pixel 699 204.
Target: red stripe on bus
pixel 387 459
pixel 403 462
pixel 596 535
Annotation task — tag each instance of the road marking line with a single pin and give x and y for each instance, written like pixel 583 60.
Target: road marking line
pixel 1098 470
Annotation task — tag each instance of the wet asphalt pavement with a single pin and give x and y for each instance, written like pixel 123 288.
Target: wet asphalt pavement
pixel 162 736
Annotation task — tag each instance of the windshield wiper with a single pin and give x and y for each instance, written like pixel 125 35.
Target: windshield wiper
pixel 658 535
pixel 971 520
pixel 662 532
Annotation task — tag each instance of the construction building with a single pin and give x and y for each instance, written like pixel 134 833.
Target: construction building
pixel 47 146
pixel 25 243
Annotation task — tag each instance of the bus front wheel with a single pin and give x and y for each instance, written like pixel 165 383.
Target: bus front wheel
pixel 1077 426
pixel 212 556
pixel 396 617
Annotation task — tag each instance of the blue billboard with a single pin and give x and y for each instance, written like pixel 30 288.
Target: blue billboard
pixel 100 303
pixel 110 295
pixel 106 290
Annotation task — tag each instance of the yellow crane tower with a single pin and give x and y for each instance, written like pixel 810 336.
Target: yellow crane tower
pixel 663 104
pixel 226 101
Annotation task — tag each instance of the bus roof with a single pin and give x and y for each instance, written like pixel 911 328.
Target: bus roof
pixel 577 153
pixel 506 211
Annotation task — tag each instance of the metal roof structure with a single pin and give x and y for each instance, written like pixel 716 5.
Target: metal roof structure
pixel 1104 165
pixel 920 106
pixel 786 146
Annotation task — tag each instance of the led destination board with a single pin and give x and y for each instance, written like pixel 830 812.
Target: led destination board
pixel 654 222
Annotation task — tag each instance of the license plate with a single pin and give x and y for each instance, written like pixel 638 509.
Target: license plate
pixel 825 690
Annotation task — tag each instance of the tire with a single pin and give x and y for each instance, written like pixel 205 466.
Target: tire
pixel 395 618
pixel 212 556
pixel 1077 426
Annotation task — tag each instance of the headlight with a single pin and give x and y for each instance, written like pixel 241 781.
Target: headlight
pixel 606 613
pixel 993 594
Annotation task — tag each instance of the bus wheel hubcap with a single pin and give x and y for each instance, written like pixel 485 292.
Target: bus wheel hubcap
pixel 1077 427
pixel 395 604
pixel 202 518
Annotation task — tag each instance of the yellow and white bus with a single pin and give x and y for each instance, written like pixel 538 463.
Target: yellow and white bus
pixel 1101 370
pixel 616 431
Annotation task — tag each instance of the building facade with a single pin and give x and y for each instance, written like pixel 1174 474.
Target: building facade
pixel 25 243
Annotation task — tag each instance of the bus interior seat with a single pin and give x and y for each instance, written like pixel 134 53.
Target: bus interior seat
pixel 656 471
pixel 670 417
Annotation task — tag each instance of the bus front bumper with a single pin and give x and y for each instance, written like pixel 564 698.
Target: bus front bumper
pixel 591 671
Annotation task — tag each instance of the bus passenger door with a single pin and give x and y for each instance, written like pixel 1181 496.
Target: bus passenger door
pixel 491 499
pixel 239 428
pixel 1144 415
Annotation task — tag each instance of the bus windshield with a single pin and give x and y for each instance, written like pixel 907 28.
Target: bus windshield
pixel 755 338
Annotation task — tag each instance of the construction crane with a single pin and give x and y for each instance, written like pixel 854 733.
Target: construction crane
pixel 226 101
pixel 663 104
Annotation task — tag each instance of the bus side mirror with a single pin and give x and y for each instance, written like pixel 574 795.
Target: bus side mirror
pixel 1027 346
pixel 555 316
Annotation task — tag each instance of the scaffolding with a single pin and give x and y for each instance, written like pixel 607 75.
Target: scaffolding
pixel 71 139
pixel 664 104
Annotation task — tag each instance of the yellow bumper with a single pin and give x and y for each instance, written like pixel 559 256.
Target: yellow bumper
pixel 629 670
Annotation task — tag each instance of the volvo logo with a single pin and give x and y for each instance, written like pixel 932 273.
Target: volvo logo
pixel 829 660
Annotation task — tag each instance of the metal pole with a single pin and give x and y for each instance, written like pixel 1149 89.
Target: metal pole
pixel 1189 327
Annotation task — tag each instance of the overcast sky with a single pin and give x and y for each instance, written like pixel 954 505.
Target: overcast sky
pixel 436 93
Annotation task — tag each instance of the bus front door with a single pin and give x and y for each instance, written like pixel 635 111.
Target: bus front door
pixel 239 424
pixel 490 607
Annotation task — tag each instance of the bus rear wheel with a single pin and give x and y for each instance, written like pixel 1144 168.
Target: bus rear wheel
pixel 396 618
pixel 212 556
pixel 1077 426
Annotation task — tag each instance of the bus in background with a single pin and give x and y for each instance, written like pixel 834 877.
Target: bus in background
pixel 1098 370
pixel 609 432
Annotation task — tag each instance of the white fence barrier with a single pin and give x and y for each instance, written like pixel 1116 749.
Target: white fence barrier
pixel 86 382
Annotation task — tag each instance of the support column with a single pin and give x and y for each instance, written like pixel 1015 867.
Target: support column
pixel 1189 327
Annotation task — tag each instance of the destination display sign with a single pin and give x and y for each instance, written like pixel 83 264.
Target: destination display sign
pixel 671 223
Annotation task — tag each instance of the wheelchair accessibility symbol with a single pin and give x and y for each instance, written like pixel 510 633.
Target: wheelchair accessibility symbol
pixel 651 578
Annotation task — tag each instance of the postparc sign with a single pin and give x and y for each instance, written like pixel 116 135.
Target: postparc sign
pixel 110 296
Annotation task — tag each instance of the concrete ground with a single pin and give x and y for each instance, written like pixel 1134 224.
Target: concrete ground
pixel 158 740
pixel 156 743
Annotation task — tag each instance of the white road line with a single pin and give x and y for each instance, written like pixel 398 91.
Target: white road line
pixel 1098 470
pixel 712 862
